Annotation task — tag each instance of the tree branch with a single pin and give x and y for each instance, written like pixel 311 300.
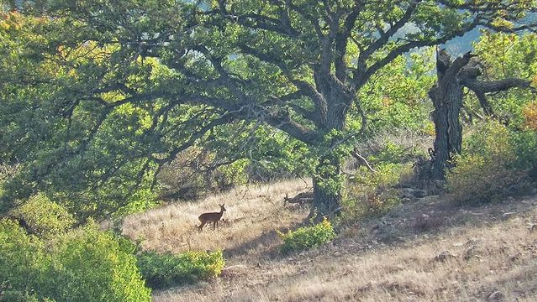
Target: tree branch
pixel 362 160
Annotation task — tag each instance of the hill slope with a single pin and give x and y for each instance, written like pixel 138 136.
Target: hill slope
pixel 428 250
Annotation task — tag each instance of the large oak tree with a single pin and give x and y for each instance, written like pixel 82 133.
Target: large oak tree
pixel 113 90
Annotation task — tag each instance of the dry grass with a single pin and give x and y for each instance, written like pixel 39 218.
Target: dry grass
pixel 248 226
pixel 478 254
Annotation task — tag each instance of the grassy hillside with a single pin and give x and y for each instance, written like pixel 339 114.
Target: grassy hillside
pixel 247 227
pixel 428 250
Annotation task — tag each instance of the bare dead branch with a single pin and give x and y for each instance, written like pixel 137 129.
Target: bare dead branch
pixel 362 160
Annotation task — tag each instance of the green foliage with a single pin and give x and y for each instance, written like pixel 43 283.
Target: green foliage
pixel 18 296
pixel 391 153
pixel 22 259
pixel 232 174
pixel 278 155
pixel 166 270
pixel 490 140
pixel 43 216
pixel 82 265
pixel 397 95
pixel 256 153
pixel 307 237
pixel 91 114
pixel 89 265
pixel 371 194
pixel 529 113
pixel 141 200
pixel 508 55
pixel 525 144
pixel 493 160
pixel 232 158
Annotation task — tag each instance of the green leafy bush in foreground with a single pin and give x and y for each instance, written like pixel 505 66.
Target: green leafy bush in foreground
pixel 22 261
pixel 307 237
pixel 166 270
pixel 82 265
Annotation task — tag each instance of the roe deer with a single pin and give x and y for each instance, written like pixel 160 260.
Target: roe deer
pixel 213 217
pixel 300 198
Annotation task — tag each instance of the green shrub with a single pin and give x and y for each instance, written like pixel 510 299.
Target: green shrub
pixel 22 260
pixel 490 140
pixel 530 113
pixel 480 179
pixel 525 143
pixel 391 153
pixel 43 216
pixel 18 296
pixel 90 265
pixel 373 194
pixel 307 237
pixel 166 270
pixel 489 164
pixel 82 265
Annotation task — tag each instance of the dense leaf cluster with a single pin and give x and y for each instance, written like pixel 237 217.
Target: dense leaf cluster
pixel 166 270
pixel 83 265
pixel 307 237
pixel 95 112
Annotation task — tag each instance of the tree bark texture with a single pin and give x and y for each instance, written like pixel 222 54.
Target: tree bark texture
pixel 326 189
pixel 447 96
pixel 333 104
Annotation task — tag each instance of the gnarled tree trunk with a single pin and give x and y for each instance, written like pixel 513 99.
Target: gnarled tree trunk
pixel 334 101
pixel 447 96
pixel 326 189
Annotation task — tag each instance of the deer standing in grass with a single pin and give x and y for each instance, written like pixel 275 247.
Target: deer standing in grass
pixel 213 217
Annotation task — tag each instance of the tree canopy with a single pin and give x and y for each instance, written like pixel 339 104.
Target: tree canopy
pixel 98 95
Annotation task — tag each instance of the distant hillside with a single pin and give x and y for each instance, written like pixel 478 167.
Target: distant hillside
pixel 463 44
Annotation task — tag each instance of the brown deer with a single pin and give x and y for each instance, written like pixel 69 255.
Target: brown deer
pixel 300 198
pixel 213 217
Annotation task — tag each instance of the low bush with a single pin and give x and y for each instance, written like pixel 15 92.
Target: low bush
pixel 307 237
pixel 22 261
pixel 18 296
pixel 494 162
pixel 81 265
pixel 529 112
pixel 525 143
pixel 166 270
pixel 480 179
pixel 372 194
pixel 391 153
pixel 90 265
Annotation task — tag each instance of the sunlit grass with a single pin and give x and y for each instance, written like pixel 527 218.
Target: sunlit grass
pixel 475 260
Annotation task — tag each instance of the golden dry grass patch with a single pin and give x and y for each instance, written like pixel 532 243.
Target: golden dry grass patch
pixel 495 261
pixel 252 213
